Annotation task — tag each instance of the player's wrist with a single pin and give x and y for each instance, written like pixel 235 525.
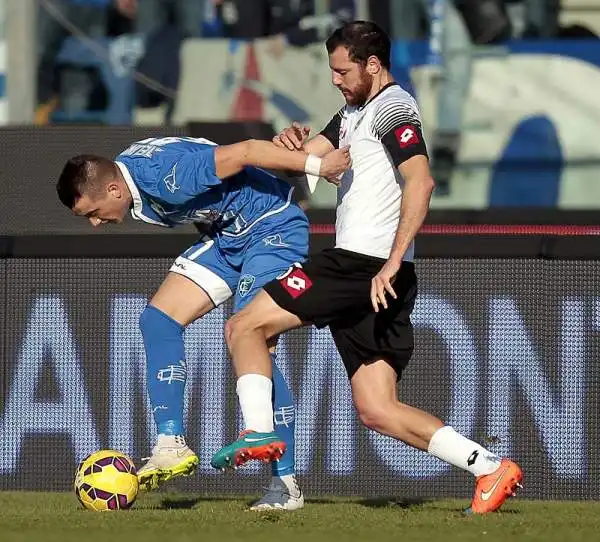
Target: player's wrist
pixel 396 256
pixel 312 165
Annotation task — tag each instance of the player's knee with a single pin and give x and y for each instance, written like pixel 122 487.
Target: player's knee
pixel 372 416
pixel 154 324
pixel 241 324
pixel 236 326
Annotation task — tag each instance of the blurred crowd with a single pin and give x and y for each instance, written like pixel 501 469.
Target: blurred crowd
pixel 453 28
pixel 293 22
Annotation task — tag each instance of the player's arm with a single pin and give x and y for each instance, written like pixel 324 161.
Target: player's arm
pixel 399 129
pixel 231 159
pixel 295 138
pixel 416 195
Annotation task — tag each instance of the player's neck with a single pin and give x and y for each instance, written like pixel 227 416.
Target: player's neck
pixel 125 188
pixel 380 82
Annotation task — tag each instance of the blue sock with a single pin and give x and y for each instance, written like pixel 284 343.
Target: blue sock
pixel 284 421
pixel 166 369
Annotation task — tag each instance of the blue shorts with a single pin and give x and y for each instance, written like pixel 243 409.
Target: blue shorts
pixel 225 266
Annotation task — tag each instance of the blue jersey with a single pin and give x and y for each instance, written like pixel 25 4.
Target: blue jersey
pixel 173 181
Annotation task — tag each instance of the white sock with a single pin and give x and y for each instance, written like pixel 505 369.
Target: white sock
pixel 254 393
pixel 449 446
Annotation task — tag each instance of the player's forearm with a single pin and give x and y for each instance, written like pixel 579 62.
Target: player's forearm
pixel 265 154
pixel 319 146
pixel 414 207
pixel 231 159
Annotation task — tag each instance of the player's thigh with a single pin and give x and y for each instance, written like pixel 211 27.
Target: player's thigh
pixel 199 280
pixel 374 385
pixel 262 313
pixel 385 337
pixel 181 299
pixel 321 289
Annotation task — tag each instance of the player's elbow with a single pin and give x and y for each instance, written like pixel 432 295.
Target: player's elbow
pixel 423 183
pixel 429 184
pixel 247 151
pixel 231 159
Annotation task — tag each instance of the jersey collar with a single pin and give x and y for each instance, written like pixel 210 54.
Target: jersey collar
pixel 138 205
pixel 384 88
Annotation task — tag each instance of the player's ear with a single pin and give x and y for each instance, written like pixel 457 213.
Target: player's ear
pixel 373 65
pixel 114 190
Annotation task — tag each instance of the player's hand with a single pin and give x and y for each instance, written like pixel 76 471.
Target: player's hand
pixel 335 163
pixel 293 137
pixel 381 284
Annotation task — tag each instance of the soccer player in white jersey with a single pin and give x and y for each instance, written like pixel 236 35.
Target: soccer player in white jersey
pixel 364 289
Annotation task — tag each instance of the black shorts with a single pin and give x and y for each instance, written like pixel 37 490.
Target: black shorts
pixel 333 288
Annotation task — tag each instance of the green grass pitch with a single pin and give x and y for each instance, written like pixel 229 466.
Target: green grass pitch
pixel 170 517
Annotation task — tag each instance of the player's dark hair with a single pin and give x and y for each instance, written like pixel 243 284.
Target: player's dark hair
pixel 362 39
pixel 81 174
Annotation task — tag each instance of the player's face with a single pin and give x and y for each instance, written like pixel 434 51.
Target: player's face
pixel 107 207
pixel 351 78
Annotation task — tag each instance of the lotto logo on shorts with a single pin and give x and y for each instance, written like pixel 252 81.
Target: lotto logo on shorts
pixel 406 136
pixel 296 283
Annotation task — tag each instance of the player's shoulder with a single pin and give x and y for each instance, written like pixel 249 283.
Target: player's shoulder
pixel 394 106
pixel 395 98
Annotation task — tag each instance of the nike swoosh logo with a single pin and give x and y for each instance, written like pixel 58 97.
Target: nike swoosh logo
pixel 485 495
pixel 248 439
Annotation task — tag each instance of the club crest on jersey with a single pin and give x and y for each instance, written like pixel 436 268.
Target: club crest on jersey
pixel 171 182
pixel 245 284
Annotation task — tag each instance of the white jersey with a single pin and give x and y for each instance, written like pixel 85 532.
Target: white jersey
pixel 382 134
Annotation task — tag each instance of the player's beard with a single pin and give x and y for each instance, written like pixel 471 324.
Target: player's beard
pixel 360 93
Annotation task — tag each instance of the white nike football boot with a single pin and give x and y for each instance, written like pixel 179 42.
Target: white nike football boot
pixel 171 457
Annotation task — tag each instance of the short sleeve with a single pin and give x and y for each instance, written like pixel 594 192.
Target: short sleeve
pixel 175 173
pixel 332 130
pixel 397 125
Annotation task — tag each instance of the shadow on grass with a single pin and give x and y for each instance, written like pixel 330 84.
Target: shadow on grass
pixel 394 502
pixel 402 503
pixel 185 503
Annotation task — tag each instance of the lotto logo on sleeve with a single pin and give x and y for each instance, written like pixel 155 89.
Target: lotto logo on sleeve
pixel 407 135
pixel 296 282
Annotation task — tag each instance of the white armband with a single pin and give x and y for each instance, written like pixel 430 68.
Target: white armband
pixel 312 166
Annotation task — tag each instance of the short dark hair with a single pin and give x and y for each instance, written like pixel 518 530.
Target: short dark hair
pixel 81 174
pixel 362 39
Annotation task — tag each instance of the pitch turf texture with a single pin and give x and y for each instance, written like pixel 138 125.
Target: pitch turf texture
pixel 165 517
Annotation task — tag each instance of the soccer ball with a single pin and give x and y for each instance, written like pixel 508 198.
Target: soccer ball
pixel 106 480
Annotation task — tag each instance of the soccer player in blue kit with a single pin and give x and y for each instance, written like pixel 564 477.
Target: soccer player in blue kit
pixel 252 232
